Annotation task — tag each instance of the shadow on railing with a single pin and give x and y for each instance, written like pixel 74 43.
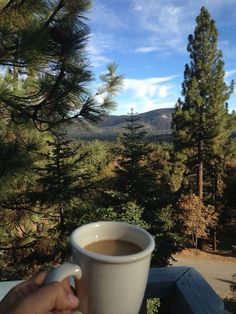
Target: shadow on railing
pixel 185 289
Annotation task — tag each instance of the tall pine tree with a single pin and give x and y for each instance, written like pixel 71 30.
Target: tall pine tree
pixel 201 124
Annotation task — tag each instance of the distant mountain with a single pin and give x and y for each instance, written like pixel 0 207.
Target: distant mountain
pixel 155 122
pixel 159 119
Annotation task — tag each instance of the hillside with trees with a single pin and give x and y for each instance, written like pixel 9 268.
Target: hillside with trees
pixel 157 124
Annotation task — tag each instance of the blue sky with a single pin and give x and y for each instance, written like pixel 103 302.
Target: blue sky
pixel 148 40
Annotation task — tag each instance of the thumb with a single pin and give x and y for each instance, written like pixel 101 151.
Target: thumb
pixel 51 297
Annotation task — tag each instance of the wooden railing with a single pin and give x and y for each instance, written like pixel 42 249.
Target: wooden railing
pixel 183 288
pixel 185 291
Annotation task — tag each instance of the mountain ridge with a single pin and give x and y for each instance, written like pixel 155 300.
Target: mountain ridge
pixel 155 122
pixel 158 118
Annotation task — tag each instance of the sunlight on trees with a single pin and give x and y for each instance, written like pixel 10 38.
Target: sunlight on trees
pixel 197 219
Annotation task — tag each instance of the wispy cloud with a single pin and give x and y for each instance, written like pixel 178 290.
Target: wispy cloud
pixel 164 22
pixel 155 25
pixel 146 37
pixel 98 49
pixel 104 17
pixel 169 23
pixel 142 106
pixel 230 73
pixel 148 87
pixel 228 48
pixel 145 49
pixel 148 94
pixel 105 23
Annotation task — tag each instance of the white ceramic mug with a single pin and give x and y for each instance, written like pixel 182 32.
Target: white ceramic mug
pixel 108 284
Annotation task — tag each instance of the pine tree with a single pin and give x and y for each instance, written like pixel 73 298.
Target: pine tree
pixel 43 44
pixel 19 147
pixel 136 190
pixel 64 179
pixel 201 124
pixel 44 81
pixel 133 176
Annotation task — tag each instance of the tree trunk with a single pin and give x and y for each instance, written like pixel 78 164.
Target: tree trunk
pixel 215 191
pixel 200 154
pixel 212 190
pixel 200 180
pixel 214 246
pixel 62 220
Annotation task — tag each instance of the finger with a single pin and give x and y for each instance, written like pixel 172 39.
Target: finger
pixel 51 297
pixel 29 286
pixel 40 278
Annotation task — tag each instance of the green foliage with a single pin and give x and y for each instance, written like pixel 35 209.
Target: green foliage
pixel 168 170
pixel 168 237
pixel 140 188
pixel 18 152
pixel 133 177
pixel 132 213
pixel 101 214
pixel 153 305
pixel 127 189
pixel 44 58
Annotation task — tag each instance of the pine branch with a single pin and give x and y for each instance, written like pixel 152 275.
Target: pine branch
pixel 28 245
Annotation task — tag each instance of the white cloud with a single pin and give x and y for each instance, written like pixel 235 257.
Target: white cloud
pixel 230 73
pixel 228 49
pixel 147 94
pixel 97 48
pixel 149 105
pixel 138 8
pixel 160 27
pixel 155 25
pixel 142 106
pixel 98 60
pixel 103 16
pixel 145 49
pixel 163 91
pixel 167 24
pixel 164 23
pixel 149 87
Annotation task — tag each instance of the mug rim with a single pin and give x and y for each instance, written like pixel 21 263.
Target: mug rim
pixel 113 259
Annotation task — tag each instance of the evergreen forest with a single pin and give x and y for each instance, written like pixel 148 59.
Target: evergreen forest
pixel 181 191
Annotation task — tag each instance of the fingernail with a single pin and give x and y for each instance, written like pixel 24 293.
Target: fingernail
pixel 73 300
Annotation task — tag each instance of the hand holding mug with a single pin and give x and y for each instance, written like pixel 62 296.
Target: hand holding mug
pixel 32 296
pixel 111 263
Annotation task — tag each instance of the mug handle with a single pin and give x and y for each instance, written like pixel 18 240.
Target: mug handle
pixel 63 271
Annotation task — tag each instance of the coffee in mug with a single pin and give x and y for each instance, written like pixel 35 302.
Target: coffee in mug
pixel 113 247
pixel 110 264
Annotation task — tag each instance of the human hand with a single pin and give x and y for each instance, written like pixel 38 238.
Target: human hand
pixel 32 297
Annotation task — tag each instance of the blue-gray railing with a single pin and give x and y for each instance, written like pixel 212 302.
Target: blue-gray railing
pixel 186 290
